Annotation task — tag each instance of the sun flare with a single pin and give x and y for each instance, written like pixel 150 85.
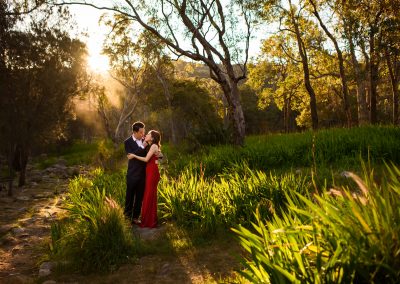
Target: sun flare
pixel 98 63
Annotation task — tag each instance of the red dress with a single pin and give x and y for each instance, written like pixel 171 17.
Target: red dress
pixel 149 205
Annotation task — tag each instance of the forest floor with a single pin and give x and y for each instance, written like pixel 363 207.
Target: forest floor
pixel 168 254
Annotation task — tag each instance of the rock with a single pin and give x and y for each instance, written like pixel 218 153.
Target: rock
pixel 22 198
pixel 39 196
pixel 73 171
pixel 42 195
pixel 47 265
pixel 62 162
pixel 5 229
pixel 15 250
pixel 149 233
pixel 8 240
pixel 59 167
pixel 46 268
pixel 27 221
pixel 164 269
pixel 44 272
pixel 49 282
pixel 20 232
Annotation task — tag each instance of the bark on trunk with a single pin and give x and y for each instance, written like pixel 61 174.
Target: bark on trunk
pixel 238 117
pixel 306 71
pixel 11 172
pixel 373 77
pixel 231 92
pixel 168 98
pixel 23 157
pixel 395 92
pixel 345 92
pixel 362 111
pixel 128 109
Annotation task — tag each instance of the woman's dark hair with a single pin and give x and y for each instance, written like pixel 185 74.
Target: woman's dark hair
pixel 137 125
pixel 156 137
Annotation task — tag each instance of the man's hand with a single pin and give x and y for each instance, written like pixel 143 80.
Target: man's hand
pixel 130 156
pixel 159 154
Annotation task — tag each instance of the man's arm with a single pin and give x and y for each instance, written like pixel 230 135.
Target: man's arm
pixel 139 151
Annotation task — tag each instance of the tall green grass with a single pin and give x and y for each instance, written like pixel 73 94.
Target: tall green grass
pixel 337 147
pixel 95 235
pixel 207 204
pixel 346 238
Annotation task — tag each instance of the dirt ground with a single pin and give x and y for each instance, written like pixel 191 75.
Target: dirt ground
pixel 25 221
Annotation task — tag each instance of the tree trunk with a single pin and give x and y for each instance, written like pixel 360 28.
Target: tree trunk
pixel 23 159
pixel 362 111
pixel 106 124
pixel 309 88
pixel 306 70
pixel 11 172
pixel 231 92
pixel 168 98
pixel 285 115
pixel 373 77
pixel 345 92
pixel 395 92
pixel 128 109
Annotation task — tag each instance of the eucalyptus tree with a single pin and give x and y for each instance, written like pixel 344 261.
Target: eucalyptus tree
pixel 316 6
pixel 293 22
pixel 214 32
pixel 371 15
pixel 277 78
pixel 153 51
pixel 391 54
pixel 127 67
pixel 135 57
pixel 352 30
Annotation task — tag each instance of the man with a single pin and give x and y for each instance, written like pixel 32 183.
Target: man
pixel 136 174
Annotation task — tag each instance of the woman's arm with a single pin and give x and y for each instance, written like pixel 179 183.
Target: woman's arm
pixel 139 151
pixel 152 151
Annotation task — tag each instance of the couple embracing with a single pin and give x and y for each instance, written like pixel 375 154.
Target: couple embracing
pixel 142 176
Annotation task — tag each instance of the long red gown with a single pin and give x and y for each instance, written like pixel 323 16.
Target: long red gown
pixel 149 205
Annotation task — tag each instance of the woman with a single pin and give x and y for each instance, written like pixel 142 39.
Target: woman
pixel 149 205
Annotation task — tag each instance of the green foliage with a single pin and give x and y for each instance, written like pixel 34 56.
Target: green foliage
pixel 336 147
pixel 192 109
pixel 95 236
pixel 350 237
pixel 101 153
pixel 208 204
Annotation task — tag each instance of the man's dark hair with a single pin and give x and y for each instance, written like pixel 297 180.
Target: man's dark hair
pixel 137 125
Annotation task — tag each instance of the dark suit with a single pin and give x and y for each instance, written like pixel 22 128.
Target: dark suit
pixel 135 179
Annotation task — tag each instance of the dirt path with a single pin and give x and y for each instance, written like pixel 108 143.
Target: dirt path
pixel 25 221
